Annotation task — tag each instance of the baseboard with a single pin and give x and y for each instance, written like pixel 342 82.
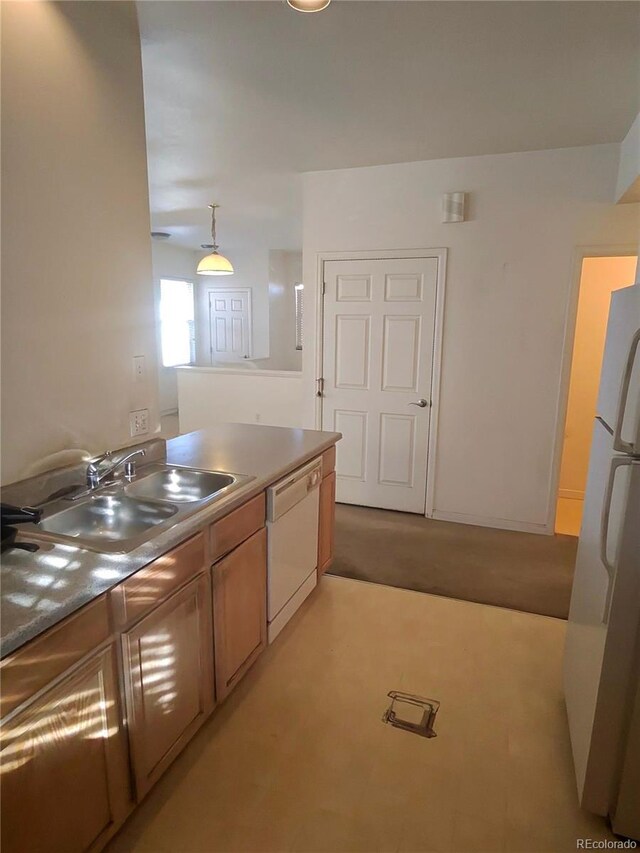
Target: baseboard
pixel 498 523
pixel 571 494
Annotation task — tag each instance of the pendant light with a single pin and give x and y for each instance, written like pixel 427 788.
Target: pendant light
pixel 308 5
pixel 215 263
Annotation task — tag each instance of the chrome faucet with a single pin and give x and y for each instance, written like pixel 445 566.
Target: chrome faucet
pixel 95 478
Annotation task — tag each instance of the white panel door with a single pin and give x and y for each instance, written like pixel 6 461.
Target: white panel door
pixel 230 325
pixel 379 326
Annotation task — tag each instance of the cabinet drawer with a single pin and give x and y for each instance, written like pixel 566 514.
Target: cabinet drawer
pixel 234 528
pixel 48 656
pixel 148 587
pixel 328 461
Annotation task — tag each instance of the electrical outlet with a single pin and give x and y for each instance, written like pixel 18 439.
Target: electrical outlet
pixel 139 422
pixel 139 368
pixel 257 417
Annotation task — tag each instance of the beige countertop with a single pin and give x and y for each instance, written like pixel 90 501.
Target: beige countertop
pixel 41 589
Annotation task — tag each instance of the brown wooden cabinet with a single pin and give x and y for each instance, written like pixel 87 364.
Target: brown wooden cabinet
pixel 239 525
pixel 327 522
pixel 239 610
pixel 65 778
pixel 168 672
pixel 65 768
pixel 149 587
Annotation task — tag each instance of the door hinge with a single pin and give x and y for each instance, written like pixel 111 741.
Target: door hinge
pixel 324 287
pixel 320 387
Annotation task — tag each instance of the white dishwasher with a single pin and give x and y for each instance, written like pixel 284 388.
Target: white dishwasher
pixel 292 531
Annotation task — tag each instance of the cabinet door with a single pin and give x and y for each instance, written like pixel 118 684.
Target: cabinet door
pixel 65 776
pixel 169 679
pixel 239 610
pixel 327 522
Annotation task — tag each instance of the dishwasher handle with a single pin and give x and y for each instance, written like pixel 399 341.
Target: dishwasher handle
pixel 285 494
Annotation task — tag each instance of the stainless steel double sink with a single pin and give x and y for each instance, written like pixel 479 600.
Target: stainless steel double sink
pixel 123 515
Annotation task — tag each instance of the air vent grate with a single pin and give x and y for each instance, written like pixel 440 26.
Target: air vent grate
pixel 418 713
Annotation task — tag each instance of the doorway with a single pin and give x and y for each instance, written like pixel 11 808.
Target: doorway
pixel 381 341
pixel 599 276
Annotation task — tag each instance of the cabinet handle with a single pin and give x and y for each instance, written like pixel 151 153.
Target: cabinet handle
pixel 618 442
pixel 616 462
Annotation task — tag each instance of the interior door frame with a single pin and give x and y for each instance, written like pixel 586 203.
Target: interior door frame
pixel 612 250
pixel 390 255
pixel 227 289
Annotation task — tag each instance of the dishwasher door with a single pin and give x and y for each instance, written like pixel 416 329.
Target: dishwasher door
pixel 292 529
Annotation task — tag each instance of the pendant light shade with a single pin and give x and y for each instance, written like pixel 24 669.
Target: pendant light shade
pixel 215 263
pixel 308 5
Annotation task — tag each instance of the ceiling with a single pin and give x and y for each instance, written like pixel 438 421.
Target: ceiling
pixel 242 96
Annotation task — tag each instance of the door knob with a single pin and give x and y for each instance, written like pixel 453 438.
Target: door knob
pixel 421 402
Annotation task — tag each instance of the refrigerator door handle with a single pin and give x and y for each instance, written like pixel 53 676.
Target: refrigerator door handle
pixel 616 462
pixel 618 442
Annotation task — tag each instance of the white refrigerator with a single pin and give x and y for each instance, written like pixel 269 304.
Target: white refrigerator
pixel 602 653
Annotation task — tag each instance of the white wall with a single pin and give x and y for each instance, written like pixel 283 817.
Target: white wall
pixel 270 274
pixel 76 266
pixel 170 262
pixel 628 183
pixel 509 281
pixel 251 269
pixel 210 396
pixel 285 270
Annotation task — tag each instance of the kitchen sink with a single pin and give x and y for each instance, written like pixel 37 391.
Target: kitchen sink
pixel 107 519
pixel 121 516
pixel 180 485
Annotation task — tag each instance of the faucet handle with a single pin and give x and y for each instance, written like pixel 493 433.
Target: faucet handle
pixel 93 469
pixel 93 478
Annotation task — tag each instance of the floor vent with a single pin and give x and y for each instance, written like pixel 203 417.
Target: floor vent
pixel 418 715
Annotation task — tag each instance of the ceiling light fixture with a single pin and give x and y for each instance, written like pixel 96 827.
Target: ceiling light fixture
pixel 215 263
pixel 308 5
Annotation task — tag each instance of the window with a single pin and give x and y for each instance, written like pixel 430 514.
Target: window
pixel 177 327
pixel 299 291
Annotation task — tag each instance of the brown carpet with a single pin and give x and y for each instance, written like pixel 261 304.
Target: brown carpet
pixel 523 571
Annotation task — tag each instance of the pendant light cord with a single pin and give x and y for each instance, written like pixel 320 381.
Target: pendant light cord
pixel 213 226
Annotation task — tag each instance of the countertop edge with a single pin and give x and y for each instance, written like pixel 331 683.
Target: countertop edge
pixel 21 636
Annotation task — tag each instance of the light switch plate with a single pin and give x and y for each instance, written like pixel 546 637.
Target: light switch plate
pixel 139 368
pixel 139 422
